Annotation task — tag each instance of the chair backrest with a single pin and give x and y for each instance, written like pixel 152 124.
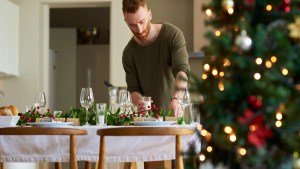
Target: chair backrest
pixel 143 131
pixel 72 132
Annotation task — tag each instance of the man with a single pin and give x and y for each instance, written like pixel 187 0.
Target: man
pixel 155 59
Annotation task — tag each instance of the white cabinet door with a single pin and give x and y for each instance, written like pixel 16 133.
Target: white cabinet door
pixel 9 38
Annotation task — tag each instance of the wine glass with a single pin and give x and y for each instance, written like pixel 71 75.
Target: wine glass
pixel 184 98
pixel 86 101
pixel 123 99
pixel 40 100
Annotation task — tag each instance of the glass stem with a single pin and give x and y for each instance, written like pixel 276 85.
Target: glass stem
pixel 86 116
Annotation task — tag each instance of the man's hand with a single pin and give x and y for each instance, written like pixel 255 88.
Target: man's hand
pixel 177 109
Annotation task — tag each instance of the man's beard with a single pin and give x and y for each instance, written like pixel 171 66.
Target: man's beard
pixel 144 35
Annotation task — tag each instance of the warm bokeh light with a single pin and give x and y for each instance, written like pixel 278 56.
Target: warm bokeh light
pixel 278 123
pixel 268 64
pixel 284 71
pixel 236 28
pixel 232 137
pixel 209 149
pixel 208 136
pixel 228 129
pixel 208 12
pixel 221 74
pixel 221 86
pixel 257 76
pixel 217 33
pixel 204 76
pixel 214 72
pixel 201 157
pixel 258 61
pixel 269 7
pixel 226 62
pixel 273 59
pixel 242 151
pixel 252 127
pixel 279 116
pixel 230 11
pixel 206 67
pixel 204 132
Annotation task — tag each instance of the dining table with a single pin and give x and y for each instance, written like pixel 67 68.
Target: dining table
pixel 118 149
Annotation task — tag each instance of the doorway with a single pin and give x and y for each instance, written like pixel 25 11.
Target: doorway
pixel 77 61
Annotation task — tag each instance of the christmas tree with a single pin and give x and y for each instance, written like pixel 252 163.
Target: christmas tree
pixel 250 84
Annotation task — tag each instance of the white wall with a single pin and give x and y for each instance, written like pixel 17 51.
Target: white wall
pixel 34 48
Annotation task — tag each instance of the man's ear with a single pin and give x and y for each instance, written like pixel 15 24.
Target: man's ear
pixel 150 14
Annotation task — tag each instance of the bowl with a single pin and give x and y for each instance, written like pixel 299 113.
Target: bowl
pixel 9 120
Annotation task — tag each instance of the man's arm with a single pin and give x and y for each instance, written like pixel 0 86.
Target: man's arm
pixel 181 82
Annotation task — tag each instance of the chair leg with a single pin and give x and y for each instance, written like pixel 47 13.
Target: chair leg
pixel 58 165
pixel 73 159
pixel 96 164
pixel 87 165
pixel 1 165
pixel 102 153
pixel 179 159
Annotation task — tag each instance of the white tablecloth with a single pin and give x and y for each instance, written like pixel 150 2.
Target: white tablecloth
pixel 118 149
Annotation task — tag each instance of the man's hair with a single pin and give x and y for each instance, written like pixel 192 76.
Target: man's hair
pixel 131 6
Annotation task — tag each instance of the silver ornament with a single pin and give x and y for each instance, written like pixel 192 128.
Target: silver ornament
pixel 243 41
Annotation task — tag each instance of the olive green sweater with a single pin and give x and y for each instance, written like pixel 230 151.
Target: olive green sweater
pixel 151 70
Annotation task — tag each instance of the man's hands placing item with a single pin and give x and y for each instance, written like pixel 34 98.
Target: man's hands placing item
pixel 175 106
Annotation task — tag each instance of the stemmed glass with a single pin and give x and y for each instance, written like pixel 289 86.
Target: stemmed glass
pixel 86 101
pixel 40 100
pixel 123 99
pixel 184 98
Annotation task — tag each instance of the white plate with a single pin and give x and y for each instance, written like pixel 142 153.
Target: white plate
pixel 49 124
pixel 153 123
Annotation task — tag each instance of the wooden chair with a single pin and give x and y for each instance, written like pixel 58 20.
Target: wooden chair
pixel 143 131
pixel 72 132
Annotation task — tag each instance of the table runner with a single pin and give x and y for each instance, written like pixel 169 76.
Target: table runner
pixel 118 149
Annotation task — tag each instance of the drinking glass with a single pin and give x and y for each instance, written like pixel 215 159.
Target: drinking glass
pixel 101 114
pixel 86 101
pixel 194 113
pixel 123 99
pixel 184 98
pixel 112 92
pixel 40 100
pixel 146 103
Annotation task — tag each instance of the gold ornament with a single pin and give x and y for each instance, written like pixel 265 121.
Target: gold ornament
pixel 227 4
pixel 295 28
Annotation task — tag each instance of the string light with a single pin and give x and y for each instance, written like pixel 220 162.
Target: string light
pixel 279 116
pixel 269 7
pixel 252 128
pixel 232 137
pixel 284 71
pixel 221 86
pixel 226 62
pixel 201 157
pixel 228 130
pixel 218 33
pixel 257 76
pixel 214 72
pixel 206 67
pixel 273 59
pixel 242 151
pixel 204 76
pixel 230 11
pixel 268 64
pixel 278 123
pixel 221 74
pixel 209 149
pixel 258 61
pixel 208 12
